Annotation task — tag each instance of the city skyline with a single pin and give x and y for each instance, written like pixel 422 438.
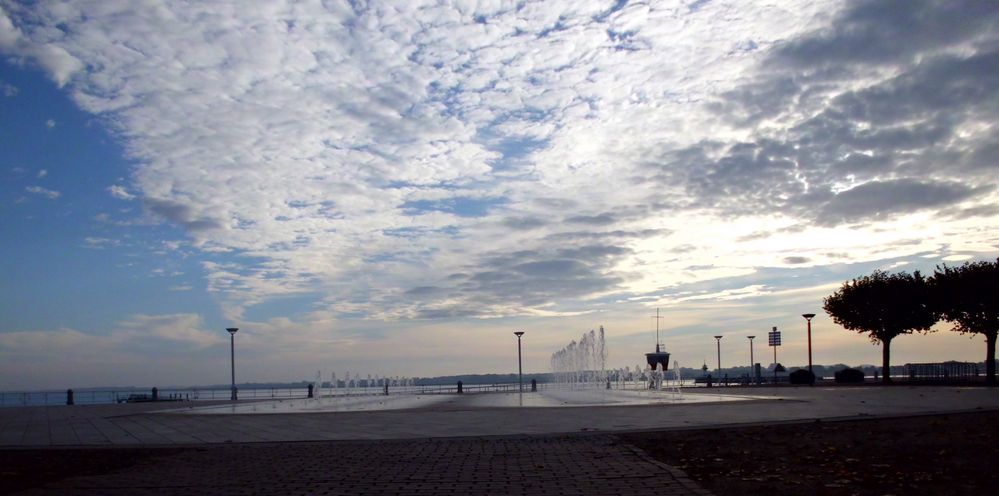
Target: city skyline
pixel 357 185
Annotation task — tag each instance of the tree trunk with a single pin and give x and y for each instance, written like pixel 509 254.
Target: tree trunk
pixel 885 362
pixel 990 358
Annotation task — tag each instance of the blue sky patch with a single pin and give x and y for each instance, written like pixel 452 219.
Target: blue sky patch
pixel 460 206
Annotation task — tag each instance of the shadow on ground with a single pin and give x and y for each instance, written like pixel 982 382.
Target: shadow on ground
pixel 924 455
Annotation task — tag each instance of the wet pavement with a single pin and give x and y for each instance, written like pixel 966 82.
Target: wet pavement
pixel 167 424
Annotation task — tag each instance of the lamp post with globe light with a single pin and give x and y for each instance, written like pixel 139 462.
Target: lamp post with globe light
pixel 520 368
pixel 718 340
pixel 232 358
pixel 808 318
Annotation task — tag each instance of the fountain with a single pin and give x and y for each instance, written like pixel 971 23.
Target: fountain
pixel 317 391
pixel 582 363
pixel 580 379
pixel 673 380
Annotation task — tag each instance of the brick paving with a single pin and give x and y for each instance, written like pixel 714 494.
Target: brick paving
pixel 513 465
pixel 425 451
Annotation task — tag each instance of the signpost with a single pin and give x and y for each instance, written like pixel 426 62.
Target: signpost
pixel 774 340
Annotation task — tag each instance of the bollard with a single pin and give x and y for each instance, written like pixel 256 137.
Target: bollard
pixel 310 390
pixel 386 388
pixel 156 394
pixel 534 385
pixel 69 397
pixel 459 387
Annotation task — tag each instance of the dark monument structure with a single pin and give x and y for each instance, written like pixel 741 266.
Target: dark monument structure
pixel 660 356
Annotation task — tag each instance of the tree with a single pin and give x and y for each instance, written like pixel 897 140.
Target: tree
pixel 883 306
pixel 968 297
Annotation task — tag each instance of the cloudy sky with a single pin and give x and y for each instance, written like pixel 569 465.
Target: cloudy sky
pixel 393 188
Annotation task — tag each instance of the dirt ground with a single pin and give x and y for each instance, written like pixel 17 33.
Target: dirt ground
pixel 931 455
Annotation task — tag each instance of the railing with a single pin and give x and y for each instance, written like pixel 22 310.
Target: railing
pixel 109 396
pixel 946 371
pixel 471 388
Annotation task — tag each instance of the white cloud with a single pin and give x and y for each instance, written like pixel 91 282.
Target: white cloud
pixel 42 173
pixel 50 123
pixel 46 51
pixel 141 350
pixel 99 243
pixel 407 159
pixel 723 295
pixel 38 190
pixel 958 258
pixel 183 331
pixel 8 90
pixel 120 192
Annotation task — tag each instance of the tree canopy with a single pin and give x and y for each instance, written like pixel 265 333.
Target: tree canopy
pixel 883 306
pixel 968 297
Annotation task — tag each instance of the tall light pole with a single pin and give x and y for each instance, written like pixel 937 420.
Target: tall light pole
pixel 808 317
pixel 718 341
pixel 232 357
pixel 752 362
pixel 520 368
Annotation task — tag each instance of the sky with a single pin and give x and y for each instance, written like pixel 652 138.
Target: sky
pixel 393 188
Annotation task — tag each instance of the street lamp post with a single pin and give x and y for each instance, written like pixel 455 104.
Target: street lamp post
pixel 752 362
pixel 232 357
pixel 808 317
pixel 520 368
pixel 718 341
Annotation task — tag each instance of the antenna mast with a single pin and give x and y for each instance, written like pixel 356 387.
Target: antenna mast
pixel 657 317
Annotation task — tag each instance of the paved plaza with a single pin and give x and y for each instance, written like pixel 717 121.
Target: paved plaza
pixel 166 423
pixel 444 449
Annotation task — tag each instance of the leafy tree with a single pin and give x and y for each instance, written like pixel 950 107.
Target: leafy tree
pixel 883 306
pixel 968 297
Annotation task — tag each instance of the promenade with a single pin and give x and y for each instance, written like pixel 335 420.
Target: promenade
pixel 161 424
pixel 142 449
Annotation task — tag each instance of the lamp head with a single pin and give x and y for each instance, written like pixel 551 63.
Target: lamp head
pixel 232 330
pixel 808 315
pixel 719 337
pixel 750 337
pixel 519 333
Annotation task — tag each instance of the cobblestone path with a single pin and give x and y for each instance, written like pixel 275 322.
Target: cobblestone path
pixel 521 465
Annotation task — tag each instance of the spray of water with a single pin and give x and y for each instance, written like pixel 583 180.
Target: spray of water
pixel 582 363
